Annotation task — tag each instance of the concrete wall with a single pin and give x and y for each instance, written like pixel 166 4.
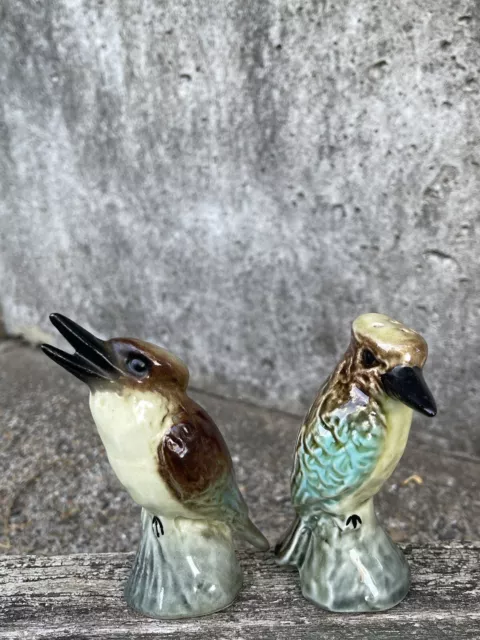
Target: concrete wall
pixel 239 179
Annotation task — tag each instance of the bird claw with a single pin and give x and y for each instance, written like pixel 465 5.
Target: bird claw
pixel 354 520
pixel 157 526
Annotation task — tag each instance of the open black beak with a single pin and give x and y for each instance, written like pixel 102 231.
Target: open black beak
pixel 91 360
pixel 408 385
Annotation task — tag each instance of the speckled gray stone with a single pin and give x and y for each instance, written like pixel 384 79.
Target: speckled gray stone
pixel 238 180
pixel 58 494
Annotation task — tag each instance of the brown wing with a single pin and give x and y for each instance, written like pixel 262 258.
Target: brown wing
pixel 195 463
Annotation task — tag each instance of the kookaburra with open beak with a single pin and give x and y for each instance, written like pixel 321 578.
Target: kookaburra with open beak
pixel 171 458
pixel 164 448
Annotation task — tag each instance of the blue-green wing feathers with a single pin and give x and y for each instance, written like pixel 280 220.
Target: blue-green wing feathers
pixel 335 457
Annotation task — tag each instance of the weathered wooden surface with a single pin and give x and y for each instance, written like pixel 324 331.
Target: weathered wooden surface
pixel 80 596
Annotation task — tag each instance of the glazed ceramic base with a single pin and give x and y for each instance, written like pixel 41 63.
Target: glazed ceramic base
pixel 183 568
pixel 346 569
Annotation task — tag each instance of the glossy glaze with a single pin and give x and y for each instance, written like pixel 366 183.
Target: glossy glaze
pixel 173 461
pixel 189 569
pixel 349 444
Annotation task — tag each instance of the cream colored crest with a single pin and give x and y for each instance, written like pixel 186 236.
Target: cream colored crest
pixel 390 338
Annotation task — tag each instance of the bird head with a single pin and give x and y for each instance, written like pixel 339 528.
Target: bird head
pixel 387 358
pixel 119 362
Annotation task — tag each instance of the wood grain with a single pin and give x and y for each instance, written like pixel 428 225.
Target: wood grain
pixel 80 596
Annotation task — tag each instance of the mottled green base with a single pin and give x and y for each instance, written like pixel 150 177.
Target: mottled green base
pixel 191 570
pixel 344 569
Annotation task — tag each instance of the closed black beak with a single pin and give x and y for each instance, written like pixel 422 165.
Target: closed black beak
pixel 408 385
pixel 91 360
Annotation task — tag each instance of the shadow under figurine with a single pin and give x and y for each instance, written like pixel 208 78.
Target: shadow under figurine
pixel 171 458
pixel 351 441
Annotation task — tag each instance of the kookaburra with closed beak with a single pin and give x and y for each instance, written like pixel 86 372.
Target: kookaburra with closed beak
pixel 349 444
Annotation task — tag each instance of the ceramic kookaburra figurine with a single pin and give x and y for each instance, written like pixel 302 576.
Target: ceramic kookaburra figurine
pixel 350 443
pixel 171 458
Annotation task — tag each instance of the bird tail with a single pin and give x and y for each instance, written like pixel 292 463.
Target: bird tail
pixel 292 548
pixel 253 535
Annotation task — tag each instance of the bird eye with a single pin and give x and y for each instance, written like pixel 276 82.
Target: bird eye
pixel 138 366
pixel 368 359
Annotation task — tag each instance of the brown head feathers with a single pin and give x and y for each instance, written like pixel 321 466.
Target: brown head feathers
pixel 378 344
pixel 122 362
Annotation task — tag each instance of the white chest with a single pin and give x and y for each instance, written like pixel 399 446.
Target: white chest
pixel 131 426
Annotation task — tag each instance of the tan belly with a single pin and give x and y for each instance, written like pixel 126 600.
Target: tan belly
pixel 398 419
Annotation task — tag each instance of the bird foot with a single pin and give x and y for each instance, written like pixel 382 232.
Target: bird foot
pixel 157 526
pixel 354 520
